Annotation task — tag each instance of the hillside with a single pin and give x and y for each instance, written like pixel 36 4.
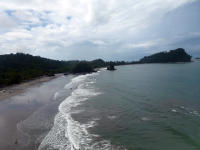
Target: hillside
pixel 15 68
pixel 177 55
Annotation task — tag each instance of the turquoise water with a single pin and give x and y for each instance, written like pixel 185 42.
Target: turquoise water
pixel 139 107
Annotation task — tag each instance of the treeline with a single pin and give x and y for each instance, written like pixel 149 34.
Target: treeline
pixel 177 55
pixel 88 66
pixel 101 63
pixel 15 68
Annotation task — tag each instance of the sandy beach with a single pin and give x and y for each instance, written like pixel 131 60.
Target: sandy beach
pixel 17 89
pixel 21 101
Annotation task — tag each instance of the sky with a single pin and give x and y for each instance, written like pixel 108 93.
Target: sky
pixel 90 29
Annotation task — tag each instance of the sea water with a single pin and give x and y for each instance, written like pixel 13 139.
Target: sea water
pixel 139 107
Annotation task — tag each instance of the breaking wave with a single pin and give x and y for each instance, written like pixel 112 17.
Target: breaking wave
pixel 67 133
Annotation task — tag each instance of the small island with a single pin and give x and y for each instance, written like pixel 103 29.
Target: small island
pixel 111 67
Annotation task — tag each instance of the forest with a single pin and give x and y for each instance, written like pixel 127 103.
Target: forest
pixel 15 68
pixel 177 55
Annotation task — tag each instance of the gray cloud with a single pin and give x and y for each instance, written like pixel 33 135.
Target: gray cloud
pixel 7 22
pixel 111 30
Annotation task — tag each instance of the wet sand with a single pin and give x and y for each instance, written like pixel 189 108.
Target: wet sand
pixel 21 103
pixel 17 89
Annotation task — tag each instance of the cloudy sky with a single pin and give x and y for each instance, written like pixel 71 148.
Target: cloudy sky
pixel 107 29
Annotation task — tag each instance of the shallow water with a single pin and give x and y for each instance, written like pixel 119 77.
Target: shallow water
pixel 28 116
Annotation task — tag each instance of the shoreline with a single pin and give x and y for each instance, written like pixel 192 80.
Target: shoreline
pixel 24 100
pixel 20 101
pixel 18 89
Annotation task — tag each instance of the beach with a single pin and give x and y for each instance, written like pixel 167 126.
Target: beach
pixel 17 89
pixel 22 106
pixel 20 102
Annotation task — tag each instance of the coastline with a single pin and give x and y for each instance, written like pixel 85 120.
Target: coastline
pixel 15 107
pixel 17 89
pixel 142 118
pixel 22 103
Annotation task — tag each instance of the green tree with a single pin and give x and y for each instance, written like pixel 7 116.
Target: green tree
pixel 82 67
pixel 112 66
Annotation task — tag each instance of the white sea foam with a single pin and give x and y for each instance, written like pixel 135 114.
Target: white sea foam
pixel 145 119
pixel 189 111
pixel 173 110
pixel 78 134
pixel 68 133
pixel 56 138
pixel 81 139
pixel 81 78
pixel 105 145
pixel 32 127
pixel 57 94
pixel 111 117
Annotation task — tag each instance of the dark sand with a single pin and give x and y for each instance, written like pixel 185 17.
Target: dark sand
pixel 14 90
pixel 21 103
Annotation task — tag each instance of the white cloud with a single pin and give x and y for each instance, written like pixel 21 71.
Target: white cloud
pixel 195 33
pixel 22 15
pixel 98 42
pixel 42 26
pixel 144 45
pixel 7 22
pixel 19 35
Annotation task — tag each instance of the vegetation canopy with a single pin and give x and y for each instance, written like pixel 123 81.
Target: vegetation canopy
pixel 177 55
pixel 15 68
pixel 82 67
pixel 111 67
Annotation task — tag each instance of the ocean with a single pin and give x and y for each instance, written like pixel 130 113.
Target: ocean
pixel 136 107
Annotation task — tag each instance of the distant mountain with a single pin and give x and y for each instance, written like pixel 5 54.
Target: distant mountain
pixel 177 55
